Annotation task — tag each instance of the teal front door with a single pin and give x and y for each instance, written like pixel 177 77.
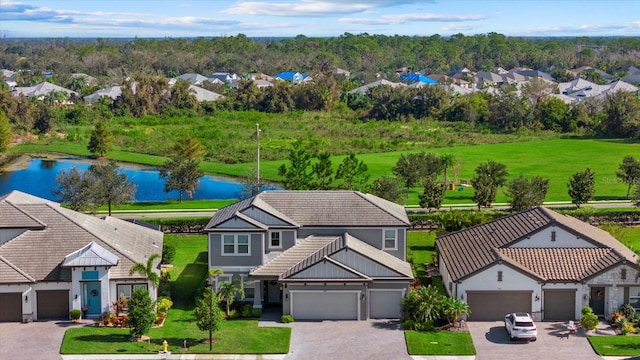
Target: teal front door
pixel 92 298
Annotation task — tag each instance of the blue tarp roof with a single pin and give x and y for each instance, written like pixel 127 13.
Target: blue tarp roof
pixel 415 77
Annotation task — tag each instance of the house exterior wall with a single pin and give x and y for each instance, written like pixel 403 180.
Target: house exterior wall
pixel 448 284
pixel 105 288
pixel 371 236
pixel 264 218
pixel 614 286
pixel 363 264
pixel 287 239
pixel 254 258
pixel 8 234
pixel 512 280
pixel 543 239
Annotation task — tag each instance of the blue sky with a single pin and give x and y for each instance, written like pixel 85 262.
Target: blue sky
pixel 262 18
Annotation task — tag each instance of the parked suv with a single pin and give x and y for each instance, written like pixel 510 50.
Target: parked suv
pixel 520 326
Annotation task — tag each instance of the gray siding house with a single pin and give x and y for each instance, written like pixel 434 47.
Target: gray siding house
pixel 315 254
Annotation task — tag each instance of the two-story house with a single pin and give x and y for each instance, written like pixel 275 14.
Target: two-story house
pixel 317 254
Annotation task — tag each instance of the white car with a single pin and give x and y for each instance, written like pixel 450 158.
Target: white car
pixel 520 326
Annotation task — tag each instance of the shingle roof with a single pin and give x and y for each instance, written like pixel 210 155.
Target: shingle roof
pixel 39 253
pixel 314 249
pixel 468 251
pixel 320 208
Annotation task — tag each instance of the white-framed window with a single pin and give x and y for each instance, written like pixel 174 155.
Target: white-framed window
pixel 389 239
pixel 275 240
pixel 221 279
pixel 634 297
pixel 236 245
pixel 248 285
pixel 127 289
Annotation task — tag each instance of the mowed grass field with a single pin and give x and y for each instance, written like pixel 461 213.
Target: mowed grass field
pixel 555 159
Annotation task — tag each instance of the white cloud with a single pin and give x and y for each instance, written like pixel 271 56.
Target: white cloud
pixel 302 9
pixel 412 18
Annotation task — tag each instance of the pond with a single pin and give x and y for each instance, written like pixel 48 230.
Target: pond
pixel 37 176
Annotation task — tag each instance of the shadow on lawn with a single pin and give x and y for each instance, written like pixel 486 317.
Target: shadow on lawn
pixel 184 288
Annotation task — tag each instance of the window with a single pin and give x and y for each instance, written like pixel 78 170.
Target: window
pixel 235 244
pixel 553 236
pixel 248 285
pixel 623 274
pixel 499 275
pixel 274 239
pixel 634 297
pixel 390 239
pixel 221 279
pixel 127 289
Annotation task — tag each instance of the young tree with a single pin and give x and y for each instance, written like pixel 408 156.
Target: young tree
pixel 141 314
pixel 527 193
pixel 489 177
pixel 181 175
pixel 322 171
pixel 432 193
pixel 414 167
pixel 109 185
pixel 147 270
pixel 5 132
pixel 581 187
pixel 227 291
pixel 629 172
pixel 353 172
pixel 208 314
pixel 74 189
pixel 101 139
pixel 454 309
pixel 388 188
pixel 297 175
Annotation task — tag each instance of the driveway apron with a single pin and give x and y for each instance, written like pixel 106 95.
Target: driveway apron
pixel 36 340
pixel 492 342
pixel 373 339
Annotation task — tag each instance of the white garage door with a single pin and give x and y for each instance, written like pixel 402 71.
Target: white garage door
pixel 384 304
pixel 324 305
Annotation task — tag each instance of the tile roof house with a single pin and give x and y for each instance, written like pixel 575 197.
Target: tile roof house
pixel 293 77
pixel 364 89
pixel 538 261
pixel 41 90
pixel 53 259
pixel 113 92
pixel 315 254
pixel 194 79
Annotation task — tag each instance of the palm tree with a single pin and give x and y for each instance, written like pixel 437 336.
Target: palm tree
pixel 447 161
pixel 227 291
pixel 147 270
pixel 454 309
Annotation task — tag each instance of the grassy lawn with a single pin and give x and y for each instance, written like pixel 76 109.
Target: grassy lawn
pixel 439 343
pixel 628 235
pixel 187 274
pixel 616 345
pixel 420 249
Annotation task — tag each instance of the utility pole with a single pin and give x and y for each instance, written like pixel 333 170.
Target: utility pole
pixel 258 134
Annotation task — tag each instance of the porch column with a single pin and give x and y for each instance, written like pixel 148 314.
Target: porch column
pixel 257 294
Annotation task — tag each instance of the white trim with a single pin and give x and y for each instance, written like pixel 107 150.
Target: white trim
pixel 384 239
pixel 358 295
pixel 236 244
pixel 243 278
pixel 271 247
pixel 234 269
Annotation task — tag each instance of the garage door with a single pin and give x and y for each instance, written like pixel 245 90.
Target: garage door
pixel 53 304
pixel 494 305
pixel 320 305
pixel 384 304
pixel 559 304
pixel 11 308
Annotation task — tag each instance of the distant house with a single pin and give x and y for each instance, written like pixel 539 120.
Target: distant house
pixel 446 80
pixel 536 73
pixel 223 77
pixel 40 91
pixel 364 89
pixel 293 77
pixel 112 92
pixel 194 79
pixel 88 79
pixel 341 72
pixel 53 259
pixel 413 78
pixel 204 94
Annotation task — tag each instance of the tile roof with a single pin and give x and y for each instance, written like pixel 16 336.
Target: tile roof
pixel 314 249
pixel 320 208
pixel 39 253
pixel 468 251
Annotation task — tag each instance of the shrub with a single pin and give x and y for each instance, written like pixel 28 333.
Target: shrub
pixel 586 310
pixel 256 313
pixel 168 252
pixel 286 319
pixel 589 320
pixel 75 314
pixel 163 305
pixel 247 311
pixel 141 314
pixel 628 311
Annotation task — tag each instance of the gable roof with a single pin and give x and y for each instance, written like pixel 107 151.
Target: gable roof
pixel 66 231
pixel 91 255
pixel 315 249
pixel 417 77
pixel 320 208
pixel 364 89
pixel 468 251
pixel 42 89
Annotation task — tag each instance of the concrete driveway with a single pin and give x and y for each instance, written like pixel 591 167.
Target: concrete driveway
pixel 373 339
pixel 492 342
pixel 36 340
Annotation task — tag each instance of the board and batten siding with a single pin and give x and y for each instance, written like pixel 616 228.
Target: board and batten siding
pixel 265 218
pixel 8 234
pixel 325 270
pixel 256 251
pixel 545 239
pixel 363 264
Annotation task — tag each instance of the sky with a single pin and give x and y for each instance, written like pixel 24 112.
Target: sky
pixel 325 18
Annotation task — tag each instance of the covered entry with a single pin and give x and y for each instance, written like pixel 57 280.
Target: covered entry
pixel 53 304
pixel 559 304
pixel 324 305
pixel 384 303
pixel 494 305
pixel 10 307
